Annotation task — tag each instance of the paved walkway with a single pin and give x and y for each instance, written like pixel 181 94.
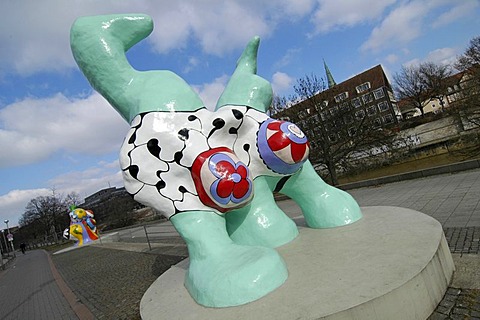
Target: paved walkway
pixel 28 290
pixel 111 282
pixel 452 199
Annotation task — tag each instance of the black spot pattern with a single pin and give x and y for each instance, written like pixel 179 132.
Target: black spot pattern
pixel 183 134
pixel 178 156
pixel 133 170
pixel 237 114
pixel 154 148
pixel 160 185
pixel 218 123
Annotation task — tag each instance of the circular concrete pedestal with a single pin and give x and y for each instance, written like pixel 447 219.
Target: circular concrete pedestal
pixel 392 264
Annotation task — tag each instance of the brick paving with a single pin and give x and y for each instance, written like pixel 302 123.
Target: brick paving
pixel 458 304
pixel 109 282
pixel 112 282
pixel 463 240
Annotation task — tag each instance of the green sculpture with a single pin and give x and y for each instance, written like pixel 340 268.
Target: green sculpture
pixel 195 165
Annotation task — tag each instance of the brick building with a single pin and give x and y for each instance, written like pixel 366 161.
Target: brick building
pixel 366 96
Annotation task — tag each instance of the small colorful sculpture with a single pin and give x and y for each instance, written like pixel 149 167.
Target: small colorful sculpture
pixel 195 165
pixel 83 227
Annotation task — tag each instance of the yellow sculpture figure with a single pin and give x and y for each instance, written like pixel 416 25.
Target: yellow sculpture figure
pixel 83 227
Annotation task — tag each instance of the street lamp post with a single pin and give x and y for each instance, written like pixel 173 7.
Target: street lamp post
pixel 5 241
pixel 1 251
pixel 8 235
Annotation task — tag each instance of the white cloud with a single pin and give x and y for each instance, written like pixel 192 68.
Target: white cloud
pixel 219 27
pixel 461 9
pixel 12 204
pixel 410 19
pixel 401 26
pixel 35 34
pixel 287 58
pixel 210 92
pixel 336 14
pixel 391 58
pixel 192 64
pixel 33 129
pixel 85 183
pixel 445 56
pixel 281 82
pixel 90 180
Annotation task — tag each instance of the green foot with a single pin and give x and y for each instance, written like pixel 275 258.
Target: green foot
pixel 323 206
pixel 222 273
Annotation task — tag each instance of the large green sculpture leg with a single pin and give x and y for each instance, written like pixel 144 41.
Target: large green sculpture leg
pixel 222 273
pixel 262 222
pixel 322 205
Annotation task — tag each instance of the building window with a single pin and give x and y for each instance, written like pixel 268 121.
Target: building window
pixel 383 106
pixel 342 96
pixel 357 102
pixel 378 94
pixel 388 119
pixel 352 131
pixel 343 107
pixel 371 110
pixel 377 123
pixel 367 98
pixel 363 87
pixel 360 114
pixel 334 110
pixel 348 118
pixel 323 115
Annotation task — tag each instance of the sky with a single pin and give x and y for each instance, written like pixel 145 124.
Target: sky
pixel 58 135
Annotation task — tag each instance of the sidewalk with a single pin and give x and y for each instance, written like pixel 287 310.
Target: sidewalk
pixel 110 279
pixel 29 291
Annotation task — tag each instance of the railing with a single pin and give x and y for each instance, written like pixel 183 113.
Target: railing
pixel 154 235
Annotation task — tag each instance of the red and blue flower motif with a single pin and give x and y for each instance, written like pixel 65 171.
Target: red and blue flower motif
pixel 282 146
pixel 222 181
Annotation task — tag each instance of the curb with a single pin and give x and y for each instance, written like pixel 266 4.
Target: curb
pixel 449 168
pixel 77 306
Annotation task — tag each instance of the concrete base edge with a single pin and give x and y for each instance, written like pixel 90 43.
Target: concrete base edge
pixel 392 264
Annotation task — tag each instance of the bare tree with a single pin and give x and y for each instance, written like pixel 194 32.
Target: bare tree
pixel 435 79
pixel 466 104
pixel 49 213
pixel 279 104
pixel 72 199
pixel 471 57
pixel 337 137
pixel 409 87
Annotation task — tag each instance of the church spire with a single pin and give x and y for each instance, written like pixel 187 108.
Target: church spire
pixel 331 81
